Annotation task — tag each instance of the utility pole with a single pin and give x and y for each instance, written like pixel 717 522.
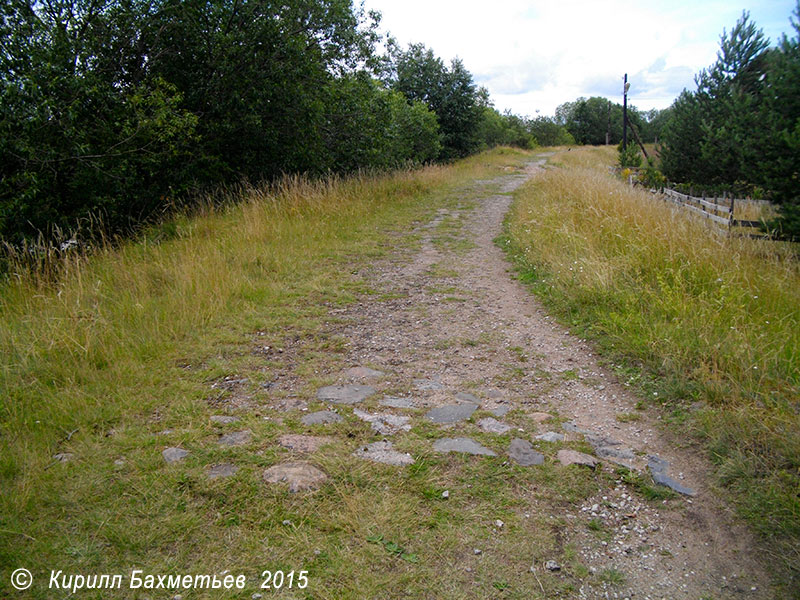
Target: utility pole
pixel 625 113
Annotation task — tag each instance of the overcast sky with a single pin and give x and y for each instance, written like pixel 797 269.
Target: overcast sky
pixel 533 55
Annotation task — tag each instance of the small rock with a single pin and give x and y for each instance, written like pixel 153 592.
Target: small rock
pixel 658 469
pixel 223 419
pixel 499 524
pixel 256 596
pixel 120 462
pixel 392 402
pixel 500 411
pixel 383 452
pixel 384 424
pixel 299 476
pixel 345 394
pixel 552 565
pixel 364 373
pixel 321 417
pixel 540 417
pixel 551 436
pixel 477 551
pixel 173 455
pixel 571 457
pixel 522 452
pixel 463 445
pixel 236 438
pixel 222 470
pixel 287 522
pixel 467 397
pixel 490 425
pixel 451 413
pixel 434 384
pixel 446 494
pixel 63 456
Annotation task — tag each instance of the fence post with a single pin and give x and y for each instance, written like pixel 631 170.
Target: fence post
pixel 730 218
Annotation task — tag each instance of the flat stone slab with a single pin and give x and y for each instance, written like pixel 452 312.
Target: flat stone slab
pixel 173 455
pixel 223 419
pixel 428 384
pixel 393 402
pixel 384 452
pixel 467 397
pixel 321 417
pixel 299 476
pixel 540 417
pixel 500 411
pixel 236 438
pixel 658 468
pixel 522 452
pixel 384 424
pixel 463 445
pixel 345 394
pixel 303 443
pixel 222 470
pixel 364 373
pixel 551 436
pixel 490 425
pixel 571 457
pixel 451 413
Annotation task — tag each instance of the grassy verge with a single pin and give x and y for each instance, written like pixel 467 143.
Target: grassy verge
pixel 702 321
pixel 131 350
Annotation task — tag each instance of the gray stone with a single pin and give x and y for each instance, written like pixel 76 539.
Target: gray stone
pixel 467 397
pixel 384 424
pixel 363 373
pixel 223 419
pixel 236 438
pixel 428 384
pixel 463 445
pixel 446 494
pixel 571 457
pixel 522 452
pixel 490 425
pixel 551 436
pixel 303 443
pixel 173 455
pixel 222 470
pixel 299 476
pixel 392 402
pixel 451 413
pixel 383 452
pixel 552 565
pixel 345 394
pixel 321 417
pixel 610 449
pixel 540 417
pixel 63 456
pixel 571 427
pixel 500 411
pixel 658 468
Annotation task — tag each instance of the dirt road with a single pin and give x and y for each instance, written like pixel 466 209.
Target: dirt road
pixel 455 326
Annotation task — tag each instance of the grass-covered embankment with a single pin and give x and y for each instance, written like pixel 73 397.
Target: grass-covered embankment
pixel 699 316
pixel 126 353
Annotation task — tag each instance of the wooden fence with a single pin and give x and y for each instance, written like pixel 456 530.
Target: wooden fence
pixel 719 211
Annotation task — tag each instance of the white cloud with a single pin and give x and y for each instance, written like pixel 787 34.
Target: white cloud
pixel 533 55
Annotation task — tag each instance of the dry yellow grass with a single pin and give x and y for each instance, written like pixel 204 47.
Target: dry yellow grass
pixel 709 317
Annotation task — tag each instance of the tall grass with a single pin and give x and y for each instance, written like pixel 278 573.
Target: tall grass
pixel 711 318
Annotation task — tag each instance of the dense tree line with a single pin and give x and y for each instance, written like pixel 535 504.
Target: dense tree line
pixel 596 121
pixel 121 108
pixel 740 129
